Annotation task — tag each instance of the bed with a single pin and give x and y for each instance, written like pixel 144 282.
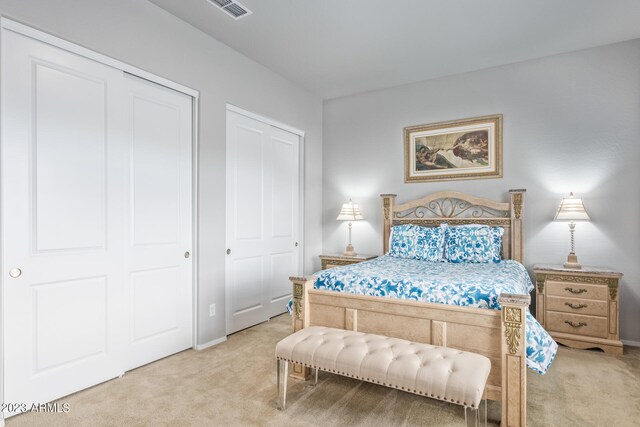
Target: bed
pixel 499 333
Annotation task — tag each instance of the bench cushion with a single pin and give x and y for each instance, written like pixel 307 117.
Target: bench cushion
pixel 438 372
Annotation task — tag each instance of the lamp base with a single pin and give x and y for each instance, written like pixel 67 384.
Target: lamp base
pixel 349 251
pixel 572 261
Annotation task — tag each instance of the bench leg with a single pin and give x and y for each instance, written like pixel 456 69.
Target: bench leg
pixel 283 368
pixel 483 412
pixel 473 417
pixel 315 377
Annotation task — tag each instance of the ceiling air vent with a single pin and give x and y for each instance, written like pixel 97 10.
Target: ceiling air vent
pixel 232 8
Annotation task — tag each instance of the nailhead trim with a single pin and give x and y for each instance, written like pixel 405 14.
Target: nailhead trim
pixel 444 398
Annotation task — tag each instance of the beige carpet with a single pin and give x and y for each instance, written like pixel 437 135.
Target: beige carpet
pixel 233 384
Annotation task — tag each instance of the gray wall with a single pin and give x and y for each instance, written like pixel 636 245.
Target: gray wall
pixel 571 123
pixel 142 34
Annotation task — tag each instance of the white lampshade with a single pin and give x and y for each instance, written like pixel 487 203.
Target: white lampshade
pixel 349 212
pixel 572 209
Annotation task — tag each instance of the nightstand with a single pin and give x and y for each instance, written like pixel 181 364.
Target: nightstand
pixel 579 307
pixel 330 261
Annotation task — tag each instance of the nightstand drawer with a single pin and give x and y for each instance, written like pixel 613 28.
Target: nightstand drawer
pixel 576 290
pixel 577 324
pixel 577 306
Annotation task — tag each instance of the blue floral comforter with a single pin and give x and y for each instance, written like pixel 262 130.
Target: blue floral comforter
pixel 467 284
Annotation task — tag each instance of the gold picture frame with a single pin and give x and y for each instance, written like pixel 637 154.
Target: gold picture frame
pixel 459 149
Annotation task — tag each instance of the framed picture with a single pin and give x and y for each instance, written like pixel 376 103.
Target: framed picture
pixel 460 149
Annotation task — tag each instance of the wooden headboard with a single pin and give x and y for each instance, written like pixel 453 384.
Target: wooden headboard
pixel 457 208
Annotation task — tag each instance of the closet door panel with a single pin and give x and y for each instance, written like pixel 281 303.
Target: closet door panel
pixel 61 221
pixel 285 208
pixel 157 256
pixel 154 291
pixel 155 173
pixel 58 339
pixel 69 167
pixel 247 266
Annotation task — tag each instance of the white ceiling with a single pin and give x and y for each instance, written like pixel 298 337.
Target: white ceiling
pixel 340 47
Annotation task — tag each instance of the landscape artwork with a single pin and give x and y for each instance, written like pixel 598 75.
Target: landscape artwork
pixel 460 149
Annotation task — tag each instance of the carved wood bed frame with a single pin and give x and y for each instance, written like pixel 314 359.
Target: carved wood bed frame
pixel 497 334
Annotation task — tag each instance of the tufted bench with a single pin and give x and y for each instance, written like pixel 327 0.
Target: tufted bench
pixel 437 372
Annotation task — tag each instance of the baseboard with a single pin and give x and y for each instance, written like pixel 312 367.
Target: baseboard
pixel 210 343
pixel 631 343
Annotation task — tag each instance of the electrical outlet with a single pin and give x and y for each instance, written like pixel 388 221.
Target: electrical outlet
pixel 212 310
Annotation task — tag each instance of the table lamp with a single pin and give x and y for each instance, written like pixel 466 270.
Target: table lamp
pixel 349 212
pixel 572 209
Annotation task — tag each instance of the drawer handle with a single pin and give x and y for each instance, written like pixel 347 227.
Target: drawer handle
pixel 575 306
pixel 579 325
pixel 575 291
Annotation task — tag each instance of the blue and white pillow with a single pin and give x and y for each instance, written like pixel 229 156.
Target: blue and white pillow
pixel 416 242
pixel 473 243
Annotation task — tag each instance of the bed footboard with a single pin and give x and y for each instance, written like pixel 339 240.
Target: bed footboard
pixel 499 335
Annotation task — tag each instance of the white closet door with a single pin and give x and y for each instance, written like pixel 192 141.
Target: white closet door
pixel 96 187
pixel 285 217
pixel 262 220
pixel 61 221
pixel 157 255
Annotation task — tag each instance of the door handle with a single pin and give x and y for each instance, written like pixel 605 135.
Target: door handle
pixel 228 251
pixel 187 254
pixel 15 272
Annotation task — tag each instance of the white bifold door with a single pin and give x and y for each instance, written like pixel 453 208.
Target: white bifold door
pixel 96 221
pixel 263 219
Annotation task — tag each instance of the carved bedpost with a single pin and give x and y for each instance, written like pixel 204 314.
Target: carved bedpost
pixel 517 225
pixel 300 315
pixel 514 363
pixel 388 200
